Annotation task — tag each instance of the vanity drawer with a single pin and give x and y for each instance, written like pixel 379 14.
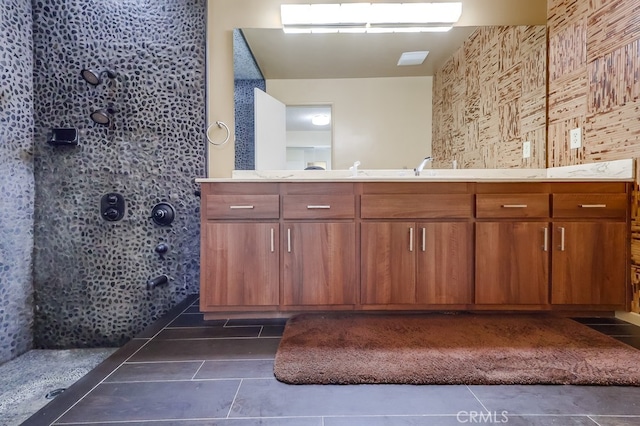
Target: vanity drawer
pixel 242 206
pixel 608 206
pixel 416 206
pixel 319 206
pixel 512 205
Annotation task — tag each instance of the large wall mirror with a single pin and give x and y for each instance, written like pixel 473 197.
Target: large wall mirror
pixel 382 114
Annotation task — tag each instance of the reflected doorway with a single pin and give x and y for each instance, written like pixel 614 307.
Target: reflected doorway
pixel 309 137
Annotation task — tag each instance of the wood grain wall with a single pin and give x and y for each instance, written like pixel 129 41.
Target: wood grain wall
pixel 489 98
pixel 594 83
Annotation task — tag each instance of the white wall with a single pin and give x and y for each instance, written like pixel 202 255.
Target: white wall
pixel 385 123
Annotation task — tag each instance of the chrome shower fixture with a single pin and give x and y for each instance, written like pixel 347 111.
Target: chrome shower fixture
pixel 94 78
pixel 103 116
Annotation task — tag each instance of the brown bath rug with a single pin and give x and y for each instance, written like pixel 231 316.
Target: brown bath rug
pixel 450 349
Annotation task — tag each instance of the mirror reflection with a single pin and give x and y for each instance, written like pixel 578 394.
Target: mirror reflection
pixel 480 87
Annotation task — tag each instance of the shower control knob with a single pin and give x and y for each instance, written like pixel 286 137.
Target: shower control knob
pixel 163 214
pixel 111 214
pixel 162 248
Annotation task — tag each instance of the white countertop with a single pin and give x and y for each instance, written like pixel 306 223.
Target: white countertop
pixel 618 170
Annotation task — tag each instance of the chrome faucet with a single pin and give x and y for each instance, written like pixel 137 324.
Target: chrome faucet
pixel 424 162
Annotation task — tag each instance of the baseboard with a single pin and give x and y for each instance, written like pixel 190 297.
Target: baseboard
pixel 631 317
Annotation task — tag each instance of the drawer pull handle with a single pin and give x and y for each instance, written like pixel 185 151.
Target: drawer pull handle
pixel 410 239
pixel 545 244
pixel 561 238
pixel 514 206
pixel 240 207
pixel 318 207
pixel 273 245
pixel 593 206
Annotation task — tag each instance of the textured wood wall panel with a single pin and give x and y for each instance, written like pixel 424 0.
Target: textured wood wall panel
pixel 594 83
pixel 612 24
pixel 493 99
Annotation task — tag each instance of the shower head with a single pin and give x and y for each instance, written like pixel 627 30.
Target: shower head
pixel 103 116
pixel 94 78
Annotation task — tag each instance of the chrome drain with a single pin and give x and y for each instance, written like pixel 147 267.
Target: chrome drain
pixel 55 393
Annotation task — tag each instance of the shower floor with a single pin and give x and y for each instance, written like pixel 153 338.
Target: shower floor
pixel 26 380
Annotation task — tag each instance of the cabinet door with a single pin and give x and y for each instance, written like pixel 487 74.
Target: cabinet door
pixel 512 263
pixel 445 263
pixel 388 269
pixel 589 263
pixel 319 263
pixel 240 264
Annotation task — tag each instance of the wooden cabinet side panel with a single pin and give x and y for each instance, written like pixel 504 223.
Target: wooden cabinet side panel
pixel 388 266
pixel 319 264
pixel 511 264
pixel 591 269
pixel 445 263
pixel 238 266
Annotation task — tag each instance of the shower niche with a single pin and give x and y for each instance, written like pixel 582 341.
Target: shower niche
pixel 66 136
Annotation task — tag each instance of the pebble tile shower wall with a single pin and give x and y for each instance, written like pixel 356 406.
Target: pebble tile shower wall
pixel 89 275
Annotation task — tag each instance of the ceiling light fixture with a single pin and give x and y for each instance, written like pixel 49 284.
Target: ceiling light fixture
pixel 320 120
pixel 369 17
pixel 412 58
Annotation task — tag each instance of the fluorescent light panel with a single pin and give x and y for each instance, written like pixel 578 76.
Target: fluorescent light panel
pixel 369 17
pixel 412 58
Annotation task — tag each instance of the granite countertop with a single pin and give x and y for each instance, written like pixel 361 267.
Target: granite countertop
pixel 618 170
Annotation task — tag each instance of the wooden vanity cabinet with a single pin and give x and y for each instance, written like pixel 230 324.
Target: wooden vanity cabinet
pixel 512 245
pixel 425 261
pixel 319 246
pixel 590 246
pixel 240 268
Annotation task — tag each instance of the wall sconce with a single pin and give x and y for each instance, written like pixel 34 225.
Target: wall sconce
pixel 94 78
pixel 369 17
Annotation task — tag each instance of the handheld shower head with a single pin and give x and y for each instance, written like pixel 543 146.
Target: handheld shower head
pixel 94 78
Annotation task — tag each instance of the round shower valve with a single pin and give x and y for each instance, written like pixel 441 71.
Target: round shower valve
pixel 163 214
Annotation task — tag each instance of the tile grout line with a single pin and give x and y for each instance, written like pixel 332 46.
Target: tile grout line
pixel 114 370
pixel 593 420
pixel 477 399
pixel 234 398
pixel 198 370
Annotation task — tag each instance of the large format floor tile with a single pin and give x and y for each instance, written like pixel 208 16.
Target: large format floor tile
pixel 155 401
pixel 269 398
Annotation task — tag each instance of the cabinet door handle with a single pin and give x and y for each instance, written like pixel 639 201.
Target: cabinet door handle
pixel 561 247
pixel 240 207
pixel 311 207
pixel 514 206
pixel 593 206
pixel 288 240
pixel 545 243
pixel 424 239
pixel 273 244
pixel 411 239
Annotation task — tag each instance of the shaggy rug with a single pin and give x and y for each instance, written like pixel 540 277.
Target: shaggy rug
pixel 450 349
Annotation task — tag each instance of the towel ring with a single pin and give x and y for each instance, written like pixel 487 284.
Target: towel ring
pixel 220 124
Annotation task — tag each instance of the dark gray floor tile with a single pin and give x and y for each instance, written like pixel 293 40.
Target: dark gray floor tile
pixel 558 399
pixel 193 320
pixel 154 328
pixel 150 371
pixel 242 369
pixel 458 420
pixel 272 331
pixel 631 341
pixel 617 329
pixel 600 320
pixel 154 401
pixel 211 332
pixel 195 309
pixel 617 421
pixel 287 421
pixel 208 349
pixel 258 321
pixel 268 397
